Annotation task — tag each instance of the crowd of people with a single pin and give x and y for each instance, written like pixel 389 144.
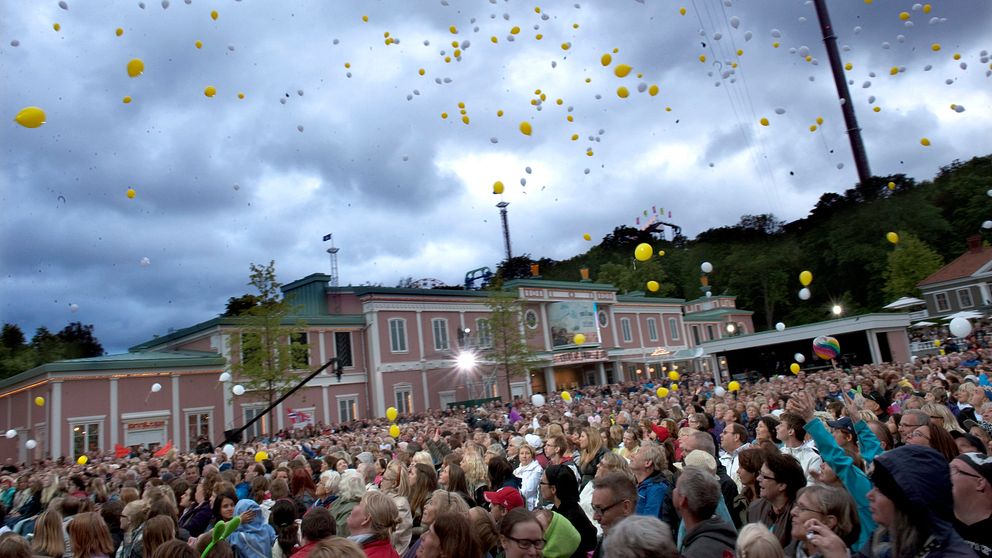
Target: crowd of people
pixel 881 461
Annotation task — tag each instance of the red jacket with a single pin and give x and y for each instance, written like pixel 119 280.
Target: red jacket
pixel 304 551
pixel 380 548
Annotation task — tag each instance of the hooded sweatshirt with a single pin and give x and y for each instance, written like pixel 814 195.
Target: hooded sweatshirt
pixel 918 481
pixel 254 538
pixel 711 538
pixel 561 539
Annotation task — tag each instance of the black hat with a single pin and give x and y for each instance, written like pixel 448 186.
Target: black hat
pixel 975 441
pixel 981 463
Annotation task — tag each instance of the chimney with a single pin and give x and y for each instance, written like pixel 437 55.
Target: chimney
pixel 975 243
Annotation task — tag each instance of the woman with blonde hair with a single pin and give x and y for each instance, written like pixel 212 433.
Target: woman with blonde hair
pixel 89 536
pixel 591 451
pixel 756 541
pixel 133 522
pixel 372 522
pixel 48 536
pixel 336 547
pixel 476 474
pixel 941 416
pixel 394 484
pixel 529 473
pixel 631 441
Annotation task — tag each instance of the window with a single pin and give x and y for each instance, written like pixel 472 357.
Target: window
pixel 530 319
pixel 940 299
pixel 347 409
pixel 625 329
pixel 485 332
pixel 342 347
pixel 404 399
pixel 250 345
pixel 695 334
pixel 673 329
pixel 710 333
pixel 256 430
pixel 197 424
pixel 652 329
pixel 299 346
pixel 964 298
pixel 85 438
pixel 397 335
pixel 440 327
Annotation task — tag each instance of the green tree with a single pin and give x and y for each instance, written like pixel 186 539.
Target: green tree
pixel 268 353
pixel 635 276
pixel 912 261
pixel 508 349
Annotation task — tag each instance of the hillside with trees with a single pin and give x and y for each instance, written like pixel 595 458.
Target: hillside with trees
pixel 842 242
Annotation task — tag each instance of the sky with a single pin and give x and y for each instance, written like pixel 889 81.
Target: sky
pixel 339 133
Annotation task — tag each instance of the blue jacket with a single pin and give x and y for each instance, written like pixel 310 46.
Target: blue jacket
pixel 854 479
pixel 651 495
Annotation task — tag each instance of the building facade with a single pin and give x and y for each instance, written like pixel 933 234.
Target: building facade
pixel 398 348
pixel 964 284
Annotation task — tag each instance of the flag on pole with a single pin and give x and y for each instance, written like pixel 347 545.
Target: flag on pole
pixel 164 449
pixel 296 417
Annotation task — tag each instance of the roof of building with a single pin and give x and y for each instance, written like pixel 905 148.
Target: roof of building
pixel 711 298
pixel 639 297
pixel 364 290
pixel 336 320
pixel 123 361
pixel 714 315
pixel 578 285
pixel 963 266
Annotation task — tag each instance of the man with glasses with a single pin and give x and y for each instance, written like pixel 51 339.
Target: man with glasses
pixel 971 485
pixel 911 420
pixel 614 497
pixel 555 449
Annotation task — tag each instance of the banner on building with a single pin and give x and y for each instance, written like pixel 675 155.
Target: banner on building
pixel 568 318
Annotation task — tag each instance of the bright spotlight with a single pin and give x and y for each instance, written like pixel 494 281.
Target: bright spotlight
pixel 465 360
pixel 837 310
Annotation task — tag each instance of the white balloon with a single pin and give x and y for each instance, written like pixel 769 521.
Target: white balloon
pixel 804 294
pixel 537 400
pixel 74 308
pixel 11 434
pixel 800 358
pixel 156 387
pixel 706 267
pixel 960 327
pixel 228 450
pixel 225 377
pixel 989 193
pixel 747 36
pixel 780 326
pixel 30 444
pixel 708 294
pixel 238 390
pixel 735 22
pixel 719 391
pixel 987 225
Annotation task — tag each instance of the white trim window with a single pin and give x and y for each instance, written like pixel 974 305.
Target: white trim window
pixel 625 330
pixel 652 329
pixel 87 436
pixel 964 298
pixel 347 408
pixel 256 430
pixel 440 328
pixel 710 332
pixel 198 424
pixel 299 346
pixel 941 301
pixel 404 398
pixel 484 332
pixel 673 328
pixel 342 348
pixel 397 335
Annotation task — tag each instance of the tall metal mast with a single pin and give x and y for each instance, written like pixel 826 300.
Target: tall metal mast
pixel 506 228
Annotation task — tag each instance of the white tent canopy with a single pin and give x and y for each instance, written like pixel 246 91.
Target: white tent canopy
pixel 966 314
pixel 923 323
pixel 904 302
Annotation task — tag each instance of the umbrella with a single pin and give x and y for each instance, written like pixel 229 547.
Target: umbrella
pixel 904 302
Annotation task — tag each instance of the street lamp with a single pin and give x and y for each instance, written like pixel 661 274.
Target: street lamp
pixel 837 310
pixel 731 328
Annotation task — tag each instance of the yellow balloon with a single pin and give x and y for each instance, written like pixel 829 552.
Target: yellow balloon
pixel 662 392
pixel 394 431
pixel 621 70
pixel 198 44
pixel 643 252
pixel 622 92
pixel 606 59
pixel 904 15
pixel 82 460
pixel 587 236
pixel 525 128
pixel 702 58
pixel 261 456
pixel 925 142
pixel 131 193
pixel 653 286
pixel 763 121
pixel 39 401
pixel 794 367
pixel 682 11
pixel 805 278
pixel 892 237
pixel 119 32
pixel 819 120
pixel 566 396
pixel 579 339
pixel 213 15
pixel 497 187
pixel 30 117
pixel 135 67
pixel 653 90
pixel 673 376
pixel 675 387
pixel 892 185
pixel 391 414
pixel 210 91
pixel 127 99
pixel 936 343
pixel 241 95
pixel 661 252
pixel 734 386
pixel 935 47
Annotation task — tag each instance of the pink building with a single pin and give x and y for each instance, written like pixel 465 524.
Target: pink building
pixel 397 346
